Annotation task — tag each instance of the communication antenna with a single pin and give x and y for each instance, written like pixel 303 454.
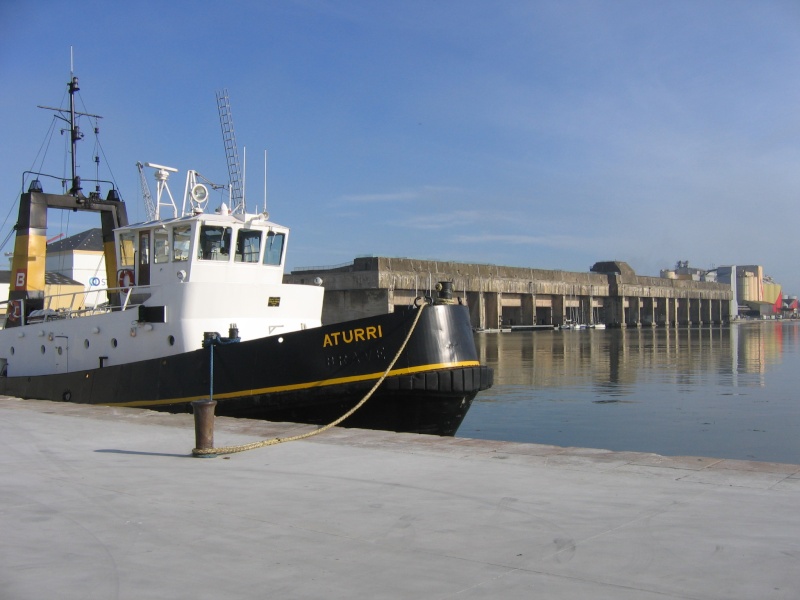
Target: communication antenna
pixel 265 185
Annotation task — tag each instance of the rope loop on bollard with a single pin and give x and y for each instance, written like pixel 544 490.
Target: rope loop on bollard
pixel 275 441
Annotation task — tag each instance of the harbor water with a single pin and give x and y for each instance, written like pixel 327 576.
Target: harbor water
pixel 725 391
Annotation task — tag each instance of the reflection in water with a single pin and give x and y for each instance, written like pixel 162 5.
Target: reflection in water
pixel 721 391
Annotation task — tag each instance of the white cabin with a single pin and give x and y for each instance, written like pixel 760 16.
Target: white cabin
pixel 191 274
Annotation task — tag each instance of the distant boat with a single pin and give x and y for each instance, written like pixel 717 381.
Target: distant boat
pixel 531 327
pixel 596 324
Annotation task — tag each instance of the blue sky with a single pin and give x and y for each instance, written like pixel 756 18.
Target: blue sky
pixel 536 134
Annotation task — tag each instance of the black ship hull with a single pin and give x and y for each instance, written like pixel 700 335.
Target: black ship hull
pixel 309 376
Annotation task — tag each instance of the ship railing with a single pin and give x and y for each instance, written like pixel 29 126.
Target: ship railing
pixel 72 305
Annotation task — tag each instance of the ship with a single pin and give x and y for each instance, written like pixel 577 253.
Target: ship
pixel 196 309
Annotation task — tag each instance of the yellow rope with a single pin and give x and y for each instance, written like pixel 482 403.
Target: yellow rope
pixel 274 441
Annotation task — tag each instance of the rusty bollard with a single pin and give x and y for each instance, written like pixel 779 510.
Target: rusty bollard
pixel 204 425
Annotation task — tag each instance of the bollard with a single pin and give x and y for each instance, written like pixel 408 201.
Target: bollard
pixel 444 291
pixel 204 425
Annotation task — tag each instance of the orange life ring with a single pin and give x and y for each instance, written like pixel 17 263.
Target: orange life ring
pixel 14 311
pixel 125 279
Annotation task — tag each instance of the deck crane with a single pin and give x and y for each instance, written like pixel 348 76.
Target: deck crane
pixel 236 187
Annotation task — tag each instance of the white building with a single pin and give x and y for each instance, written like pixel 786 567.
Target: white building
pixel 79 257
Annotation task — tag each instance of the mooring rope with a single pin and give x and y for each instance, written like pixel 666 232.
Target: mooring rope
pixel 274 441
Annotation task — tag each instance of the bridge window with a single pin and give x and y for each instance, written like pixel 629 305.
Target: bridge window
pixel 126 249
pixel 273 249
pixel 144 248
pixel 215 243
pixel 248 246
pixel 181 239
pixel 160 246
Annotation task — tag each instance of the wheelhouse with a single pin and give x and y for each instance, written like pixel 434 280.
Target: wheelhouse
pixel 202 247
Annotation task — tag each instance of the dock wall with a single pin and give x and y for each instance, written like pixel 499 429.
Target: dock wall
pixel 500 296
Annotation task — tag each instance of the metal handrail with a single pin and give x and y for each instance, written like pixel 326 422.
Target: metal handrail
pixel 67 310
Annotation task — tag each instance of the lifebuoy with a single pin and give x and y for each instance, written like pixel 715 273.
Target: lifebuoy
pixel 125 279
pixel 14 311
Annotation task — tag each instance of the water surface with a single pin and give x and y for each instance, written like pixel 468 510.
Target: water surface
pixel 727 392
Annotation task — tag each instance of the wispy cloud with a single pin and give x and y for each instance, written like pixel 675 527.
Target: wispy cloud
pixel 424 192
pixel 384 197
pixel 449 220
pixel 555 241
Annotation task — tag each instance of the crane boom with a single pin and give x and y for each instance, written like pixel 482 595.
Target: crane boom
pixel 231 152
pixel 149 207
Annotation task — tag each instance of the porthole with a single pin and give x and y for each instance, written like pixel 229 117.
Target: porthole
pixel 113 342
pixel 85 343
pixel 12 350
pixel 171 340
pixel 42 349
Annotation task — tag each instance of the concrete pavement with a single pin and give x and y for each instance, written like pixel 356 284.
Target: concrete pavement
pixel 107 503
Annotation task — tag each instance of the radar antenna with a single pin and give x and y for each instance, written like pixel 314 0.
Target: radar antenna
pixel 231 153
pixel 162 174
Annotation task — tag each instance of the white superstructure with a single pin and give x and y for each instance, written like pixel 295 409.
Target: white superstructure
pixel 177 278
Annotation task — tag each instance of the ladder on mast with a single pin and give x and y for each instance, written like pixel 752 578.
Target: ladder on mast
pixel 231 152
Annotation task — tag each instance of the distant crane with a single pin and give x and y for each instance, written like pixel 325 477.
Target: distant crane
pixel 149 207
pixel 236 187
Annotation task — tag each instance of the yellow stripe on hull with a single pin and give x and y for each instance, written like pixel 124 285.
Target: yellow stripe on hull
pixel 299 386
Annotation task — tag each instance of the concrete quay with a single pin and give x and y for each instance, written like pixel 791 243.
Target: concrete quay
pixel 99 502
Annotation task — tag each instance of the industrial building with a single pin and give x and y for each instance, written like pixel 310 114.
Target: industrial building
pixel 754 294
pixel 610 294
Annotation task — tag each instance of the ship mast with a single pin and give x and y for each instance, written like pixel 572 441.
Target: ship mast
pixel 27 291
pixel 75 133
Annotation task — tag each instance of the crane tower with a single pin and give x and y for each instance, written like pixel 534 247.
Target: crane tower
pixel 231 152
pixel 149 207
